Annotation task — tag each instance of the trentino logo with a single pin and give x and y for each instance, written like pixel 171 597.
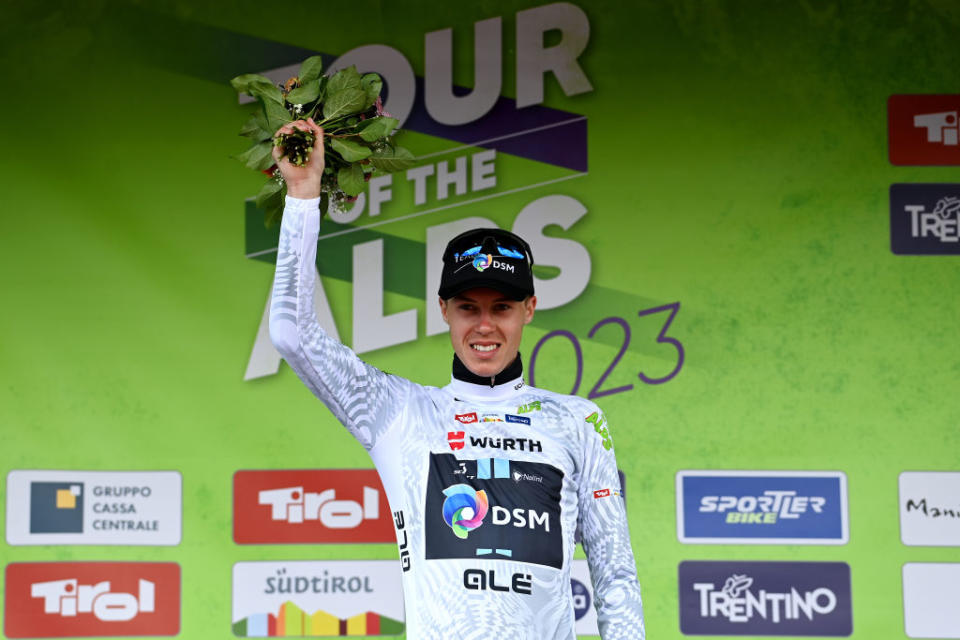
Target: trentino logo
pixel 765 598
pixel 762 507
pixel 56 507
pixel 925 219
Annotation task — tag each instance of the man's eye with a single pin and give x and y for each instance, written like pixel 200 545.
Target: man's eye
pixel 466 307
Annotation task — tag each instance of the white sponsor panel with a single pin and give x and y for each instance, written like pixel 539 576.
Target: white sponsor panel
pixel 583 603
pixel 930 508
pixel 930 602
pixel 94 507
pixel 339 588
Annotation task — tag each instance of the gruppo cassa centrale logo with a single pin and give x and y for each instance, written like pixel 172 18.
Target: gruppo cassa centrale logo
pixel 94 507
pixel 70 599
pixel 310 506
pixel 762 507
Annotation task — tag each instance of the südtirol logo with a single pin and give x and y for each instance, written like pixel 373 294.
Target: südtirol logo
pixel 328 598
pixel 69 599
pixel 762 507
pixel 310 506
pixel 924 129
pixel 930 508
pixel 56 507
pixel 94 507
pixel 925 219
pixel 493 508
pixel 765 598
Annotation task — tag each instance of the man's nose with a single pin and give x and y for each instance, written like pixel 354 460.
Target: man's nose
pixel 485 322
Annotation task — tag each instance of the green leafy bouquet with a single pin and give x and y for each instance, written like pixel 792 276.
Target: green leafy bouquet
pixel 357 131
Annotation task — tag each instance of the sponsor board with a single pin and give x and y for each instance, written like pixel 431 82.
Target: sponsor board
pixel 72 599
pixel 925 219
pixel 765 598
pixel 930 600
pixel 493 508
pixel 94 507
pixel 762 507
pixel 930 508
pixel 584 610
pixel 310 507
pixel 923 129
pixel 323 598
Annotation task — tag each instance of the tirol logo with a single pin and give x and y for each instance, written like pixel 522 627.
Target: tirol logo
pixel 94 507
pixel 924 129
pixel 57 599
pixel 316 506
pixel 466 418
pixel 930 508
pixel 493 508
pixel 765 598
pixel 925 219
pixel 762 507
pixel 56 507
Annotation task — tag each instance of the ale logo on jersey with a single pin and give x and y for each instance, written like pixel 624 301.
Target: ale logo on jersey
pixel 762 507
pixel 765 598
pixel 925 219
pixel 924 129
pixel 310 506
pixel 493 508
pixel 69 599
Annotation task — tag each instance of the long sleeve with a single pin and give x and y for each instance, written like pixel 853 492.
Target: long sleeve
pixel 363 398
pixel 604 533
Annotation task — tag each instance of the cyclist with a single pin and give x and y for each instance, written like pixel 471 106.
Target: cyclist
pixel 488 479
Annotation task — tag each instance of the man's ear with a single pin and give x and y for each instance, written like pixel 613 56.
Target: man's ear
pixel 443 308
pixel 529 305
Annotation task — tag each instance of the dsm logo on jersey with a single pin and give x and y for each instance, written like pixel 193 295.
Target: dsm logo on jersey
pixel 762 507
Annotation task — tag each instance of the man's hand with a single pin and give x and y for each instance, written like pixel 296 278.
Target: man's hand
pixel 302 182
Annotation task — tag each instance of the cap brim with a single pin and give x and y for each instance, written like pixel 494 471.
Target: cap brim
pixel 514 293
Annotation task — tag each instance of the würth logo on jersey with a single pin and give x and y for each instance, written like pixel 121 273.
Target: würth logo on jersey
pixel 466 418
pixel 455 438
pixel 64 599
pixel 924 129
pixel 317 506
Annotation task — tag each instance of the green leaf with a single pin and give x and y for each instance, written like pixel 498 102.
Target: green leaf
pixel 258 157
pixel 371 84
pixel 379 127
pixel 324 203
pixel 270 189
pixel 392 159
pixel 344 79
pixel 276 115
pixel 310 69
pixel 343 103
pixel 351 180
pixel 244 83
pixel 273 213
pixel 350 151
pixel 256 127
pixel 308 92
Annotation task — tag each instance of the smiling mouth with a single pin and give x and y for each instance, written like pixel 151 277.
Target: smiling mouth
pixel 484 348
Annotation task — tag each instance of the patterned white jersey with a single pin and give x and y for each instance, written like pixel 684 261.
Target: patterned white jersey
pixel 488 485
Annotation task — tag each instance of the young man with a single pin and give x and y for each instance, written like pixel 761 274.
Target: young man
pixel 488 479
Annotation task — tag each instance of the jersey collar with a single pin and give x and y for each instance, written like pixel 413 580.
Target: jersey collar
pixel 505 384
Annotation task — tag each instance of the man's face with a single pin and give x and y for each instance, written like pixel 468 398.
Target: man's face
pixel 485 328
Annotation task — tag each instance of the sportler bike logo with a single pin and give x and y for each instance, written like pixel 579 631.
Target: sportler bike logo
pixel 316 506
pixel 51 599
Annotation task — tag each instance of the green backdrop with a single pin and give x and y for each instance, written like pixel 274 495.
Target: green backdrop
pixel 737 165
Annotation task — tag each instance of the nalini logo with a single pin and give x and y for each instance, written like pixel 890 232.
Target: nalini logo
pixel 294 505
pixel 56 507
pixel 69 598
pixel 464 509
pixel 941 127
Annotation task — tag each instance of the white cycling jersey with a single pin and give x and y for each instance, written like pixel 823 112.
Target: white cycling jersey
pixel 487 485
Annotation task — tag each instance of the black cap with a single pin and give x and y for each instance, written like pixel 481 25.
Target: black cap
pixel 491 258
